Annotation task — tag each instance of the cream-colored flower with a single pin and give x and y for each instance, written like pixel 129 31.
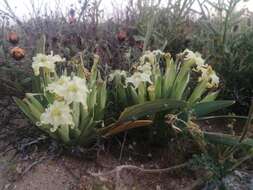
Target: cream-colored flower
pixel 45 61
pixel 57 114
pixel 199 61
pixel 196 57
pixel 146 68
pixel 71 90
pixel 149 57
pixel 76 91
pixel 215 80
pixel 55 58
pixel 158 52
pixel 137 78
pixel 58 86
pixel 189 55
pixel 207 73
pixel 116 73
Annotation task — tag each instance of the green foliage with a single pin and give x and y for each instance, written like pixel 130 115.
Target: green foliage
pixel 204 108
pixel 161 87
pixel 148 108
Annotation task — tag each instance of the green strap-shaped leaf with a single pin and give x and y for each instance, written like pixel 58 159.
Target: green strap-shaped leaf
pixel 197 92
pixel 133 94
pixel 35 102
pixel 142 92
pixel 92 99
pixel 63 131
pixel 180 86
pixel 25 109
pixel 158 87
pixel 210 96
pixel 204 108
pixel 76 113
pixel 225 139
pixel 140 110
pixel 102 95
pixel 34 110
pixel 169 78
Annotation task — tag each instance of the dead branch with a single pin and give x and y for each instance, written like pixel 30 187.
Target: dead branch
pixel 118 169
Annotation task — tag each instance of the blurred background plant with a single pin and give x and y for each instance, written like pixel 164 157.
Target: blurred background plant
pixel 225 35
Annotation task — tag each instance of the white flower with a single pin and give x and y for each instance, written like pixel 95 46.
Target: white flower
pixel 58 86
pixel 158 52
pixel 149 57
pixel 76 91
pixel 116 73
pixel 45 61
pixel 137 78
pixel 146 68
pixel 199 60
pixel 55 58
pixel 215 80
pixel 196 57
pixel 71 90
pixel 189 55
pixel 57 114
pixel 207 73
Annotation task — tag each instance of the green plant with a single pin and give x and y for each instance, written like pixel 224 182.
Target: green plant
pixel 69 102
pixel 158 77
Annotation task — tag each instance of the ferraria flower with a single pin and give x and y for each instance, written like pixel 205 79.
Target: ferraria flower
pixel 137 78
pixel 196 57
pixel 71 90
pixel 207 73
pixel 149 57
pixel 45 61
pixel 56 115
pixel 146 68
pixel 189 55
pixel 158 52
pixel 58 86
pixel 199 61
pixel 116 73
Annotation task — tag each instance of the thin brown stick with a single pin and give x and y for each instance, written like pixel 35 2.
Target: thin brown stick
pixel 133 167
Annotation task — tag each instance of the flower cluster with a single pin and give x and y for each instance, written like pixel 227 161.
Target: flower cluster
pixel 207 72
pixel 45 61
pixel 67 90
pixel 144 69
